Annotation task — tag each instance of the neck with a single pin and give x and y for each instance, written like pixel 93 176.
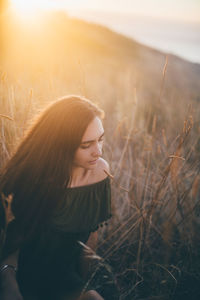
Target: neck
pixel 79 176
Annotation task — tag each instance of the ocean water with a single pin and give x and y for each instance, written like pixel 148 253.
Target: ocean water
pixel 176 37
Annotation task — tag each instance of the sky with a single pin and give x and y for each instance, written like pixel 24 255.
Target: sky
pixel 180 10
pixel 185 10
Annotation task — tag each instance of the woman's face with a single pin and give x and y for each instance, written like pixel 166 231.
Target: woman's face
pixel 90 149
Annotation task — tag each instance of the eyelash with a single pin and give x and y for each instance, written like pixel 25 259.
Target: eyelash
pixel 86 147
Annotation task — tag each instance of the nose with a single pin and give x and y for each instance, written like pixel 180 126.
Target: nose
pixel 97 151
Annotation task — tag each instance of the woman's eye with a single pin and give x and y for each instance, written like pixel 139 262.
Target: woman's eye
pixel 85 146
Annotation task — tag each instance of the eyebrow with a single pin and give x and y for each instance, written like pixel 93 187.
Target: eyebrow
pixel 87 142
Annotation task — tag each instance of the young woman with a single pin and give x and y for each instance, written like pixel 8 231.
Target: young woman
pixel 61 193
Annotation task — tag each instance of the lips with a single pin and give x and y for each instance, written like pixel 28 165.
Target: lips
pixel 93 161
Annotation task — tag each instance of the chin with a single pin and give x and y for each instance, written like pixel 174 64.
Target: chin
pixel 92 167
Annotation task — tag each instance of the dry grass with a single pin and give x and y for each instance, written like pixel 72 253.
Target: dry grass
pixel 151 245
pixel 153 241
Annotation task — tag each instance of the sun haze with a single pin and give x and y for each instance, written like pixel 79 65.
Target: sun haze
pixel 28 10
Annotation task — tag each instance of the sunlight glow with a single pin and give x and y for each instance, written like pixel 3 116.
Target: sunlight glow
pixel 29 9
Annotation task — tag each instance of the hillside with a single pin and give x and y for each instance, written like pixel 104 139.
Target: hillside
pixel 65 55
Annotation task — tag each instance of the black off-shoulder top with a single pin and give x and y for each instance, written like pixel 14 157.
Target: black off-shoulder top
pixel 49 264
pixel 84 208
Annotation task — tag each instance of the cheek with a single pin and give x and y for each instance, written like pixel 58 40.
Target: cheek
pixel 81 155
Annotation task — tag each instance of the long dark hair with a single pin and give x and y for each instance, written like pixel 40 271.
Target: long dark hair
pixel 2 226
pixel 41 166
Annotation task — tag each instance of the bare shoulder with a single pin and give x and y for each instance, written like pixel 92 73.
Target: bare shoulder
pixel 103 165
pixel 101 170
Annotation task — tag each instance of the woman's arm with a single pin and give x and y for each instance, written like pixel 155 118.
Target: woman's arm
pixel 86 262
pixel 9 289
pixel 92 241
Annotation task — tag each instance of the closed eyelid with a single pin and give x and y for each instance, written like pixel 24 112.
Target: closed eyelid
pixel 87 145
pixel 92 141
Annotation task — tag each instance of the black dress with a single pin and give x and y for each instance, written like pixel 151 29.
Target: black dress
pixel 48 266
